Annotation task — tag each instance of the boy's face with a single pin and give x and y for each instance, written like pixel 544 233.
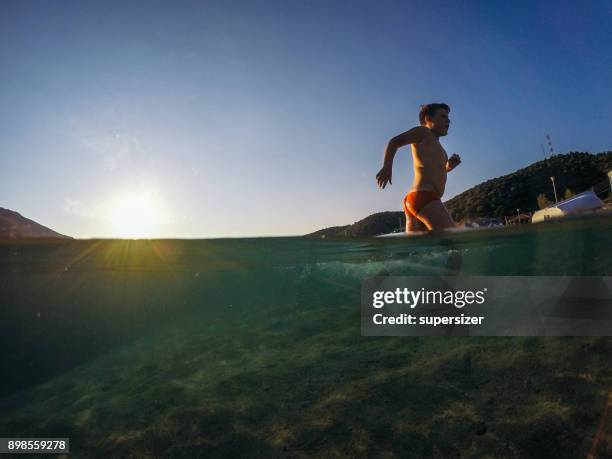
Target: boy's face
pixel 439 122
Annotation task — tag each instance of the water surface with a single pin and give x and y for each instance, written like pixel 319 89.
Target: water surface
pixel 252 348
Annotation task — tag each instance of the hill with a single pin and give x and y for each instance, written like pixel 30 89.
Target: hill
pixel 501 196
pixel 378 223
pixel 15 226
pixel 519 190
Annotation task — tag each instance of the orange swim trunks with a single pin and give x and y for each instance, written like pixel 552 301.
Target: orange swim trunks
pixel 416 200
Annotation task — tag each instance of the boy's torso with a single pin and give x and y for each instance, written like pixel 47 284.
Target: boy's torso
pixel 429 159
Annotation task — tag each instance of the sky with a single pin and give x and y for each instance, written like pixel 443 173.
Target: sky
pixel 196 119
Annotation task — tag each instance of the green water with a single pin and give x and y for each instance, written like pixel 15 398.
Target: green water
pixel 252 348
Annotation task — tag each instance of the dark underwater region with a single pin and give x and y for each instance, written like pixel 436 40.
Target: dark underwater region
pixel 252 348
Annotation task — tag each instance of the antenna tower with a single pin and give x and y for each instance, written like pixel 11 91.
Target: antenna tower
pixel 550 146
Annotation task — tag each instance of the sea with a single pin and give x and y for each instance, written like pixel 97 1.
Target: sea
pixel 252 347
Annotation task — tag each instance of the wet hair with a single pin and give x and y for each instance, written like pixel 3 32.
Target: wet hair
pixel 430 110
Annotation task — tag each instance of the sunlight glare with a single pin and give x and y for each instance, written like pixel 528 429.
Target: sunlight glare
pixel 137 216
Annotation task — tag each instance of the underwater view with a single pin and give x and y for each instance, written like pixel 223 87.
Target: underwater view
pixel 252 348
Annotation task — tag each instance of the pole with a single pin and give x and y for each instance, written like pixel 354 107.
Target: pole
pixel 552 179
pixel 519 216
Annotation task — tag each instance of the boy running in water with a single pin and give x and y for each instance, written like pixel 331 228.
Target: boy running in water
pixel 422 205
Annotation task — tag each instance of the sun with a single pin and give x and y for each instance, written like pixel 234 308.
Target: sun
pixel 136 216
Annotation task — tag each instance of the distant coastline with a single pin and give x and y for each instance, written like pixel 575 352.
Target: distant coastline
pixel 499 197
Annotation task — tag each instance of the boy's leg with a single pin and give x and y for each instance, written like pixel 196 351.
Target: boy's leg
pixel 414 224
pixel 435 216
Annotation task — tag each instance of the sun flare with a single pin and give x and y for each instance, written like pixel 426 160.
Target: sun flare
pixel 136 216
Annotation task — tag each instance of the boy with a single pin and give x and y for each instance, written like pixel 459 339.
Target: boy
pixel 422 205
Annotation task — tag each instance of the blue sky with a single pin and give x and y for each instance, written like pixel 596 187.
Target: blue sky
pixel 271 118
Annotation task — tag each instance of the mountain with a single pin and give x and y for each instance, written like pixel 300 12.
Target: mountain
pixel 379 223
pixel 502 196
pixel 15 226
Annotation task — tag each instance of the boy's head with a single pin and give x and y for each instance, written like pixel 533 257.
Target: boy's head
pixel 435 117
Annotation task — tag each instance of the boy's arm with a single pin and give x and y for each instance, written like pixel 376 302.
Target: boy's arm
pixel 414 135
pixel 453 162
